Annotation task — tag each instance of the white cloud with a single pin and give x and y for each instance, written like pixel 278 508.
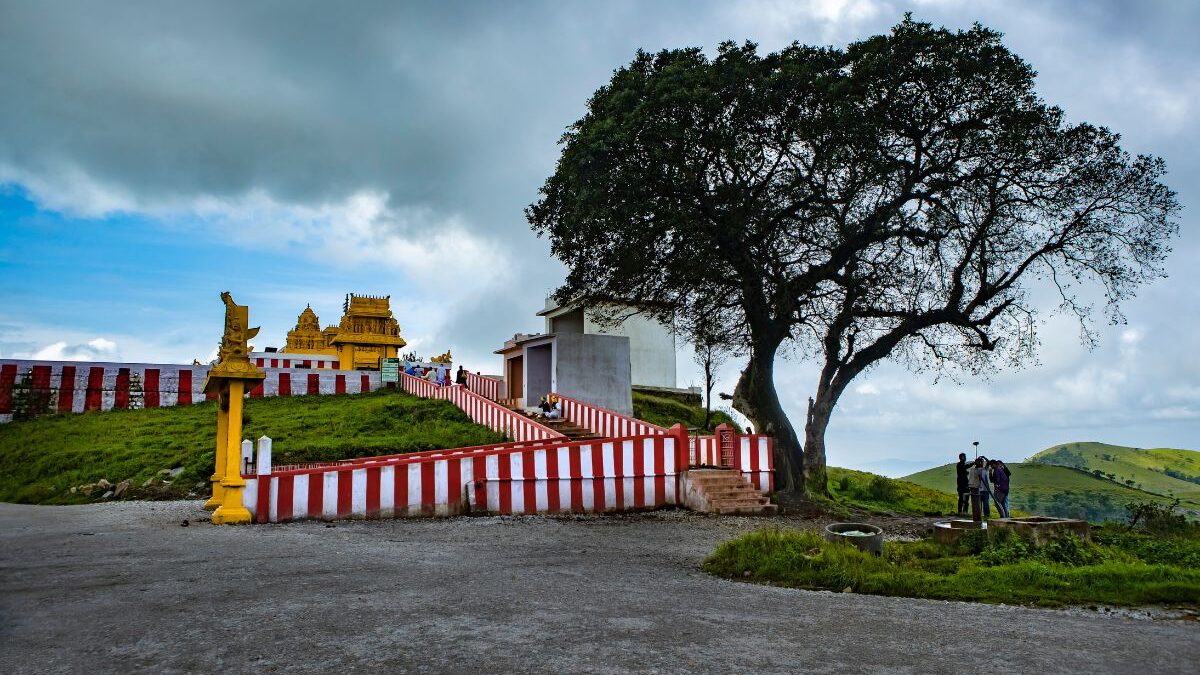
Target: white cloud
pixel 98 349
pixel 437 252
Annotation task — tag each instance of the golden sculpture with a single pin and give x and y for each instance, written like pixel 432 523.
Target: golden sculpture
pixel 444 358
pixel 229 379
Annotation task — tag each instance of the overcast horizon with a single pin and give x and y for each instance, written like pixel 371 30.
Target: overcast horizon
pixel 154 154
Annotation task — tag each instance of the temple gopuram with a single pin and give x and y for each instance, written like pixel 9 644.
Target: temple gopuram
pixel 366 334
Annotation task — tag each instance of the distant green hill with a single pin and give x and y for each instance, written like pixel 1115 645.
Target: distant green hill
pixel 1055 491
pixel 1163 471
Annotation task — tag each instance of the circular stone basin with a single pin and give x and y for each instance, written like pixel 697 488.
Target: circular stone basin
pixel 948 531
pixel 866 537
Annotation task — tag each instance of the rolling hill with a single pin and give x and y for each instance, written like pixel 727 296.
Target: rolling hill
pixel 1056 491
pixel 1163 471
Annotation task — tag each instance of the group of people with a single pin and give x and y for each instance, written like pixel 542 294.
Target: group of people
pixel 982 483
pixel 439 375
pixel 551 407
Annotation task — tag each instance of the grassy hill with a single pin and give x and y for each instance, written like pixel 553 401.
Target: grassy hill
pixel 1163 471
pixel 880 493
pixel 1055 491
pixel 666 413
pixel 41 459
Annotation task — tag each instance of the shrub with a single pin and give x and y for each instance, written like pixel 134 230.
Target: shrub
pixel 1156 518
pixel 881 489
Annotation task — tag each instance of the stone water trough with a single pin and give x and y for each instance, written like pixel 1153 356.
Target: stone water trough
pixel 1041 528
pixel 949 531
pixel 865 537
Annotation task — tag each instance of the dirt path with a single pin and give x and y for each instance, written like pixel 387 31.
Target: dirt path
pixel 124 587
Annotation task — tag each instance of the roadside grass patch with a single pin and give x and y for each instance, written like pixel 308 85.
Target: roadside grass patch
pixel 1125 570
pixel 41 459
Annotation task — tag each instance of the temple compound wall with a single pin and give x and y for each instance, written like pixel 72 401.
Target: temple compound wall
pixel 79 386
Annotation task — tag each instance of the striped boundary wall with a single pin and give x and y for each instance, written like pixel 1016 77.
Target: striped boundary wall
pixel 86 386
pixel 620 474
pixel 755 457
pixel 487 387
pixel 481 411
pixel 604 422
pixel 290 360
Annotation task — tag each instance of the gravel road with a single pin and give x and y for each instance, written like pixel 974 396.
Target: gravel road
pixel 123 587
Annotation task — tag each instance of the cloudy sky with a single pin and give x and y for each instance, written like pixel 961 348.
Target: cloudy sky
pixel 153 154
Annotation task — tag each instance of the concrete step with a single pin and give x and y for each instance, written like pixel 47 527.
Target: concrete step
pixel 759 510
pixel 726 491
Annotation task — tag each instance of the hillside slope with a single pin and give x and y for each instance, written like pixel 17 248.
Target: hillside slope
pixel 1163 471
pixel 1055 491
pixel 41 459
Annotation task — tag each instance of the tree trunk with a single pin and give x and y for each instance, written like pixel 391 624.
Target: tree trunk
pixel 755 397
pixel 816 480
pixel 708 387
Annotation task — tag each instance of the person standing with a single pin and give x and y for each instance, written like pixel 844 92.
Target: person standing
pixel 974 479
pixel 985 487
pixel 964 490
pixel 1000 476
pixel 461 377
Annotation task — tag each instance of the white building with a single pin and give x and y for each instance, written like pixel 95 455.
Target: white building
pixel 651 343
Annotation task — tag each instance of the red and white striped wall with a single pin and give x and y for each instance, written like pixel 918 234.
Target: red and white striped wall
pixel 289 360
pixel 753 456
pixel 604 422
pixel 704 451
pixel 481 410
pixel 487 387
pixel 756 460
pixel 619 474
pixel 83 386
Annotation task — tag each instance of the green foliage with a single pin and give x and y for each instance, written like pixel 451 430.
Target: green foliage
pixel 1064 571
pixel 879 493
pixel 1158 518
pixel 666 413
pixel 1181 550
pixel 41 459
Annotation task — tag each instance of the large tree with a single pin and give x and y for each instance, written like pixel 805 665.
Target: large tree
pixel 898 198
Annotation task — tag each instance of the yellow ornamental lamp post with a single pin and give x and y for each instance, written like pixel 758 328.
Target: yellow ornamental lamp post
pixel 229 379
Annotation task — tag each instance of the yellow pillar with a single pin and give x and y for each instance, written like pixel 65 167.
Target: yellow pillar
pixel 232 511
pixel 222 443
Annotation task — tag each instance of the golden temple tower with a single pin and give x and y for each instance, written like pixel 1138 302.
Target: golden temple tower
pixel 368 333
pixel 308 338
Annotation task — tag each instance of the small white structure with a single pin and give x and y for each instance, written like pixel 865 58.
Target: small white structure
pixel 651 343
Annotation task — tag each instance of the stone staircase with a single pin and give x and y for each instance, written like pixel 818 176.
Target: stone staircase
pixel 726 492
pixel 571 431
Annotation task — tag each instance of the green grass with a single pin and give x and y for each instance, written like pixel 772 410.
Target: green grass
pixel 1064 572
pixel 1055 491
pixel 666 413
pixel 41 459
pixel 1163 471
pixel 881 494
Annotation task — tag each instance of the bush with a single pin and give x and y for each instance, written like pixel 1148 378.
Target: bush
pixel 881 489
pixel 1156 518
pixel 1070 550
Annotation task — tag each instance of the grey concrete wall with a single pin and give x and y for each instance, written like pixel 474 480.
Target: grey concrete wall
pixel 595 369
pixel 571 322
pixel 538 373
pixel 651 348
